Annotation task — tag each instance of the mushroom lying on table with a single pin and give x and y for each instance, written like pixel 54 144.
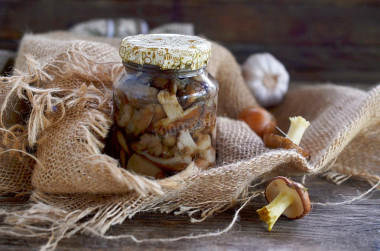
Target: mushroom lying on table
pixel 285 197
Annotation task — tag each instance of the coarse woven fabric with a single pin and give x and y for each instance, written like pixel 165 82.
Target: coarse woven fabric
pixel 56 111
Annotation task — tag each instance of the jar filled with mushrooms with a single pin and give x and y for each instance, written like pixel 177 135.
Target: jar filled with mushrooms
pixel 165 104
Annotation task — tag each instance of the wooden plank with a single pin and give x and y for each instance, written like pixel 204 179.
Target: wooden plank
pixel 315 57
pixel 287 24
pixel 242 21
pixel 342 77
pixel 286 2
pixel 344 227
pixel 347 64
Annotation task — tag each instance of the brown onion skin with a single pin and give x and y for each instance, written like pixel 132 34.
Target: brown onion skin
pixel 259 120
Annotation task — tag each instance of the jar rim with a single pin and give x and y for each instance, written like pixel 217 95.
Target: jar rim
pixel 157 69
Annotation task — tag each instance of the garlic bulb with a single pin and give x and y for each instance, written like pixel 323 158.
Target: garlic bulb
pixel 267 78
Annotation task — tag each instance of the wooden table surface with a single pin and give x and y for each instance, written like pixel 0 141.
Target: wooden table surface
pixel 354 226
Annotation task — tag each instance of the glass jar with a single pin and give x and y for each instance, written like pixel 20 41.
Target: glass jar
pixel 165 104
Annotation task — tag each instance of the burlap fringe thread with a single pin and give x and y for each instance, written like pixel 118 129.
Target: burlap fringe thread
pixel 66 216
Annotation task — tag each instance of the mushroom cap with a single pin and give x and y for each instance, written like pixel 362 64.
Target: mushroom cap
pixel 301 204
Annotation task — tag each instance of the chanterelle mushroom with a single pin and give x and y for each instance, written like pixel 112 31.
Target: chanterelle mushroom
pixel 284 197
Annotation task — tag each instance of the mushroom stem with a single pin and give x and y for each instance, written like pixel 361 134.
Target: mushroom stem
pixel 271 212
pixel 298 126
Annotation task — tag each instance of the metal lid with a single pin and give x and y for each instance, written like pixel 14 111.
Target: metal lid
pixel 168 51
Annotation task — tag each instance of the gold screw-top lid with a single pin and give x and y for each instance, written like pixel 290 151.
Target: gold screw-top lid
pixel 168 51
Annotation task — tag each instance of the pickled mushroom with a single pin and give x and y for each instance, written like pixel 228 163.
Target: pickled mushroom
pixel 202 163
pixel 203 142
pixel 140 121
pixel 208 155
pixel 188 119
pixel 140 165
pixel 176 163
pixel 186 143
pixel 188 96
pixel 140 95
pixel 170 104
pixel 168 152
pixel 160 83
pixel 122 142
pixel 169 140
pixel 124 115
pixel 172 88
pixel 148 142
pixel 158 113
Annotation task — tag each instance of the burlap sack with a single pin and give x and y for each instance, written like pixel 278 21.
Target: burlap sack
pixel 67 85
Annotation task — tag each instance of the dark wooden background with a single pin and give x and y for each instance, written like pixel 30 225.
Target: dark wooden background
pixel 317 40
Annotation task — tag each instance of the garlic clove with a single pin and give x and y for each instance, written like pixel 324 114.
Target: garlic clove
pixel 267 78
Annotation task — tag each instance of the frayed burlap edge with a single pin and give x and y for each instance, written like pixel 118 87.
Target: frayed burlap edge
pixel 45 101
